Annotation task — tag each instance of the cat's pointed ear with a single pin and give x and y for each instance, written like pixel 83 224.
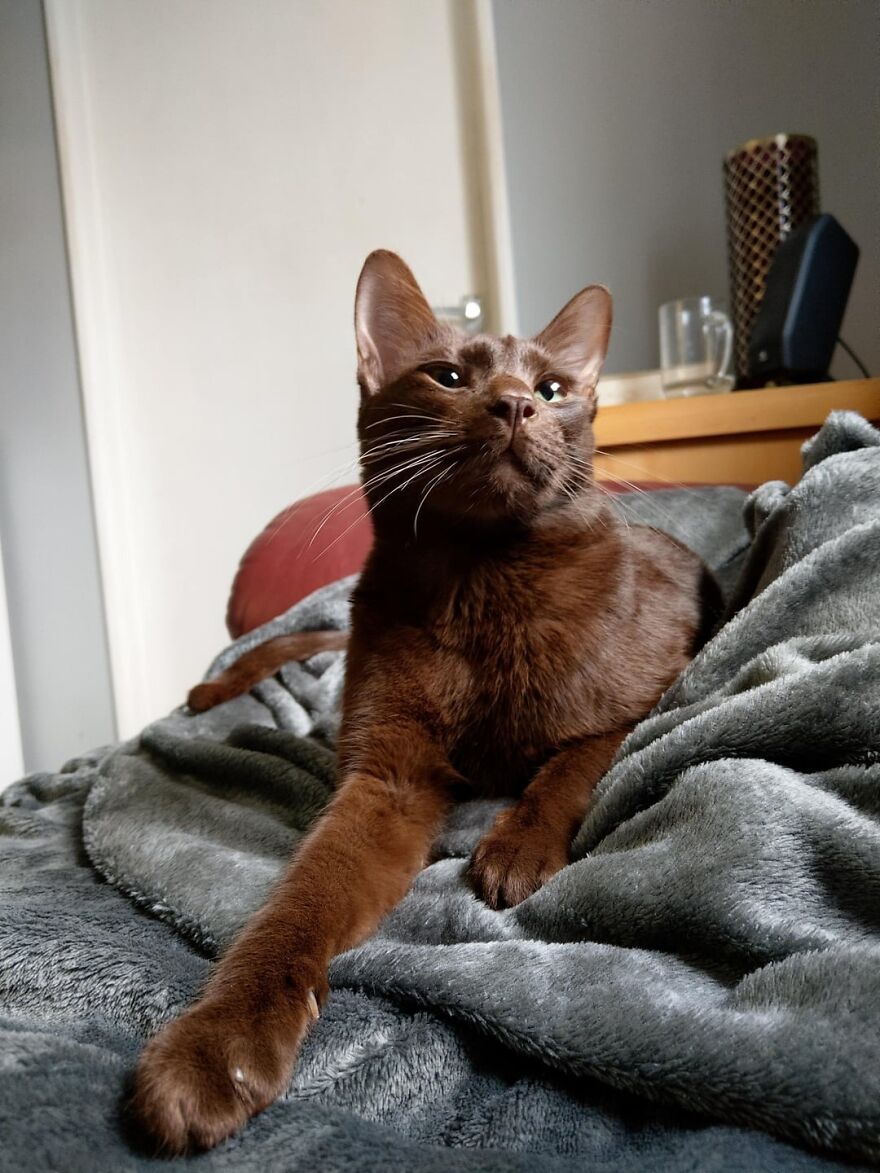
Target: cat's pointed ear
pixel 577 338
pixel 393 322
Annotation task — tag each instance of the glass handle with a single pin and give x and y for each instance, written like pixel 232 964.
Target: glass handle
pixel 718 326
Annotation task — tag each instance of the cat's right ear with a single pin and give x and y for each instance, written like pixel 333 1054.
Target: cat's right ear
pixel 393 322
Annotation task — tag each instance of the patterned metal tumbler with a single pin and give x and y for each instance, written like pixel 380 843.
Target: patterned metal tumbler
pixel 771 186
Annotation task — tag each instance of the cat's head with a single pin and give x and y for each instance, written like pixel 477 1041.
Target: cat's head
pixel 473 427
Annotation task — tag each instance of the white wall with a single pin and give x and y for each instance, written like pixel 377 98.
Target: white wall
pixel 617 115
pixel 52 583
pixel 227 166
pixel 11 755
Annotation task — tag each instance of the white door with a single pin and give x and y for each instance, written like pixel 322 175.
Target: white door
pixel 226 167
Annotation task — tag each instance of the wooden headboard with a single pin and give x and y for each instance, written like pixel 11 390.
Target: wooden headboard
pixel 744 437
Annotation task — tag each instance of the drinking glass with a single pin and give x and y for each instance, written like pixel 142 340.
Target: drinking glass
pixel 696 346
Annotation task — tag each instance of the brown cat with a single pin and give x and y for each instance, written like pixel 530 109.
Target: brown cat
pixel 507 633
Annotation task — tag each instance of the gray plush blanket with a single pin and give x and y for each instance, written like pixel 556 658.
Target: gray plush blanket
pixel 699 989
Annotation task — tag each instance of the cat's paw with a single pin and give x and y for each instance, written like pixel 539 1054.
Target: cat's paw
pixel 514 860
pixel 205 1074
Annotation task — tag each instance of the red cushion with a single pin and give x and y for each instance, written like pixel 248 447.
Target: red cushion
pixel 313 542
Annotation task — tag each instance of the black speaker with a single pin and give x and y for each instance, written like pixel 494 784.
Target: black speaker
pixel 805 298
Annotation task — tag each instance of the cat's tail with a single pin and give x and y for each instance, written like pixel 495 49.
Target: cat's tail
pixel 260 662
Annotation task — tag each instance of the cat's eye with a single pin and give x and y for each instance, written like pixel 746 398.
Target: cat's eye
pixel 550 390
pixel 445 374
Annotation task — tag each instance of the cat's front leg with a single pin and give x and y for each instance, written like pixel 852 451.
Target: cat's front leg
pixel 530 842
pixel 233 1052
pixel 228 1057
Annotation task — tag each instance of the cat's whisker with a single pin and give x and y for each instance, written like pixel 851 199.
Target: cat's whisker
pixel 377 451
pixel 395 437
pixel 436 481
pixel 402 435
pixel 408 405
pixel 433 461
pixel 320 486
pixel 320 453
pixel 683 488
pixel 340 505
pixel 387 419
pixel 336 507
pixel 651 497
pixel 370 482
pixel 325 481
pixel 412 433
pixel 398 432
pixel 583 466
pixel 612 498
pixel 399 488
pixel 573 487
pixel 338 538
pixel 410 462
pixel 631 485
pixel 440 456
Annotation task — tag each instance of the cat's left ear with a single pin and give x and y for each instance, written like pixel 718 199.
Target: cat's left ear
pixel 577 338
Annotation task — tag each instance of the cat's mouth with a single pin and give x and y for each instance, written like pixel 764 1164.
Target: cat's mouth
pixel 521 462
pixel 512 457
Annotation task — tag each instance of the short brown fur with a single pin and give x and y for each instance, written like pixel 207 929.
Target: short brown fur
pixel 507 632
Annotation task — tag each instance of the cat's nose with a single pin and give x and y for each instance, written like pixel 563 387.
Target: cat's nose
pixel 513 407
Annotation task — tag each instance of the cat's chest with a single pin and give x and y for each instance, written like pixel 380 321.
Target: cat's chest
pixel 517 681
pixel 521 657
pixel 515 656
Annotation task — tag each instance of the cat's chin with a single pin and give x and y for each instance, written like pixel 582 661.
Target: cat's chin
pixel 522 480
pixel 511 495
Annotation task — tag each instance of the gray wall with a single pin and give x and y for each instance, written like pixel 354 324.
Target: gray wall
pixel 617 115
pixel 52 580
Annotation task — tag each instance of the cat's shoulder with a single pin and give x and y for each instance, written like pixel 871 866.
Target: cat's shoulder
pixel 658 543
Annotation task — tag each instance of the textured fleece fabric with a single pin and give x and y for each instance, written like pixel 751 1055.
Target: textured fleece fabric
pixel 698 990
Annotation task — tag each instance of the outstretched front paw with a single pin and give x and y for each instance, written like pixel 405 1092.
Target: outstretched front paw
pixel 515 859
pixel 204 1075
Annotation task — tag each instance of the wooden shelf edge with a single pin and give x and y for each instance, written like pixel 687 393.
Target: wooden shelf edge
pixel 770 409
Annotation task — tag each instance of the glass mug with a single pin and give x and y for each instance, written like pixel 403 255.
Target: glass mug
pixel 696 346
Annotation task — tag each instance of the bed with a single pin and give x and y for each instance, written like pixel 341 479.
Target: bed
pixel 698 989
